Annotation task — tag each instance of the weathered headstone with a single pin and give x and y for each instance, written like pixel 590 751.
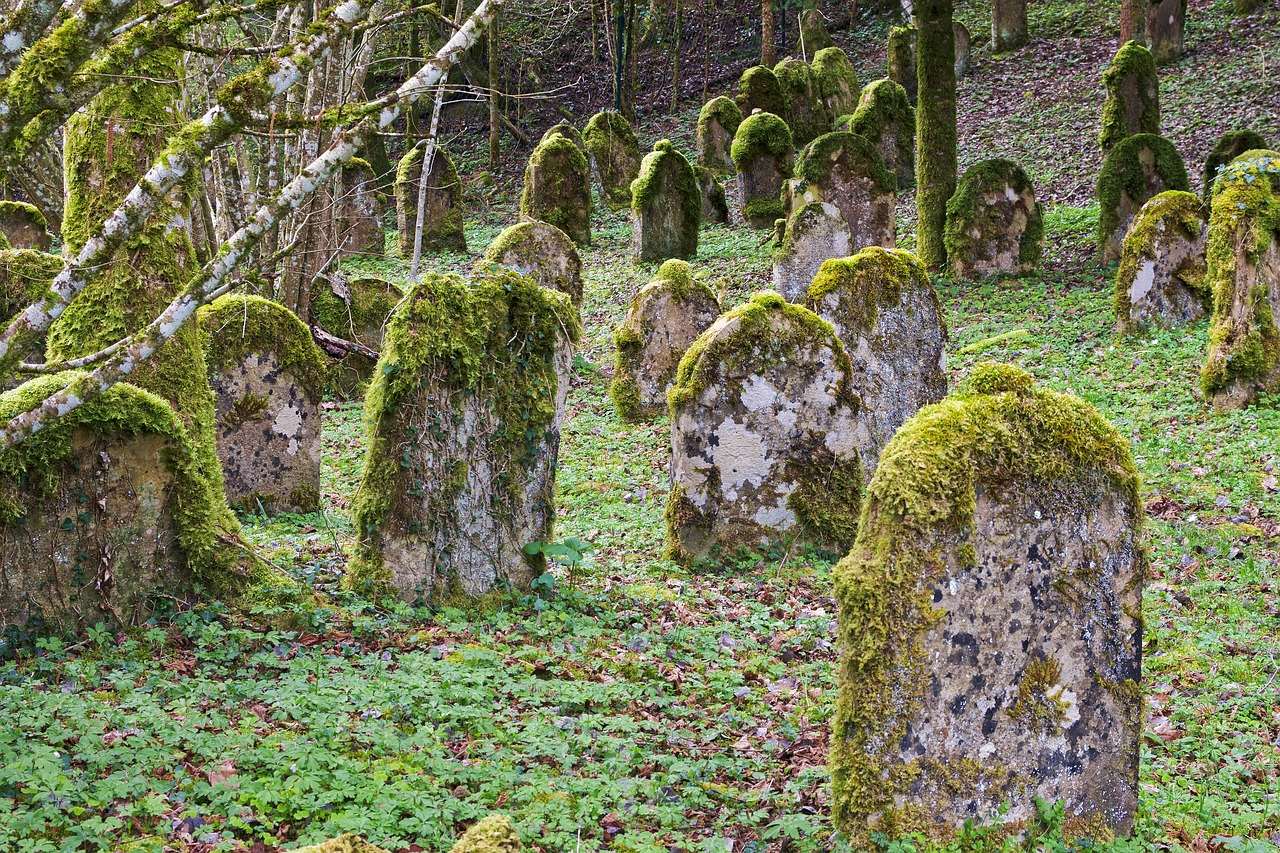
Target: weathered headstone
pixel 663 320
pixel 1161 281
pixel 764 155
pixel 764 437
pixel 557 188
pixel 464 413
pixel 994 224
pixel 268 380
pixel 815 232
pixel 837 83
pixel 1232 144
pixel 1244 275
pixel 886 312
pixel 758 89
pixel 901 53
pixel 354 310
pixel 614 151
pixel 568 131
pixel 886 119
pixel 717 123
pixel 1008 25
pixel 1165 22
pixel 964 48
pixel 805 113
pixel 715 209
pixel 1133 97
pixel 990 621
pixel 544 253
pixel 24 226
pixel 813 35
pixel 360 211
pixel 1138 169
pixel 666 206
pixel 442 224
pixel 846 170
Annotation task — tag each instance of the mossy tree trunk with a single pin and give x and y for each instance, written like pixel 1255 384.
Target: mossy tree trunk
pixel 936 156
pixel 768 54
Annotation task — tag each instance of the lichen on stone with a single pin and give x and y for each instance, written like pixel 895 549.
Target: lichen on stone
pixel 557 188
pixel 665 186
pixel 1170 216
pixel 543 252
pixel 237 325
pixel 983 221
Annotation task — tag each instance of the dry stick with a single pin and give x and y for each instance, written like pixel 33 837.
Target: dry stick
pixel 212 279
pixel 428 158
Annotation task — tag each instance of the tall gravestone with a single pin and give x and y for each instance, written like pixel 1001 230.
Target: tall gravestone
pixel 268 380
pixel 614 151
pixel 464 417
pixel 837 83
pixel 557 188
pixel 901 64
pixel 663 320
pixel 758 89
pixel 1138 169
pixel 1161 281
pixel 964 49
pixel 354 310
pixel 666 206
pixel 544 253
pixel 990 621
pixel 1229 146
pixel 717 123
pixel 845 169
pixel 805 112
pixel 1133 97
pixel 1165 22
pixel 813 35
pixel 764 155
pixel 886 119
pixel 1008 25
pixel 765 437
pixel 815 232
pixel 994 224
pixel 442 223
pixel 360 211
pixel 23 226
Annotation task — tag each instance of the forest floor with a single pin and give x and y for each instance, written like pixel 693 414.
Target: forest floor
pixel 628 705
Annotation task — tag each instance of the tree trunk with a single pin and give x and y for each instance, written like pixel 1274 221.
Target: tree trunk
pixel 1132 22
pixel 936 133
pixel 768 56
pixel 1008 25
pixel 675 58
pixel 495 140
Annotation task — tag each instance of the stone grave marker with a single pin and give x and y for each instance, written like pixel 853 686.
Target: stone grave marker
pixel 813 35
pixel 544 253
pixel 1161 281
pixel 354 310
pixel 758 89
pixel 815 232
pixel 442 225
pixel 360 211
pixel 805 113
pixel 1133 97
pixel 764 156
pixel 886 119
pixel 666 206
pixel 901 55
pixel 614 152
pixel 845 169
pixel 1231 145
pixel 24 226
pixel 557 188
pixel 994 224
pixel 1138 169
pixel 837 83
pixel 715 208
pixel 717 123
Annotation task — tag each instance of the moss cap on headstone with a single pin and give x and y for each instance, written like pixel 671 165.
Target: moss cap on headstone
pixel 1182 209
pixel 819 155
pixel 237 325
pixel 1231 145
pixel 566 130
pixel 1122 171
pixel 758 89
pixel 722 110
pixel 963 208
pixel 759 135
pixel 1131 59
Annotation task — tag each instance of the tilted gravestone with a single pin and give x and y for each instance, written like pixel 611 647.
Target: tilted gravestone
pixel 813 35
pixel 666 206
pixel 901 55
pixel 994 224
pixel 758 89
pixel 715 208
pixel 990 621
pixel 805 113
pixel 614 151
pixel 1133 97
pixel 557 188
pixel 765 437
pixel 886 119
pixel 464 417
pixel 541 251
pixel 886 312
pixel 23 226
pixel 815 232
pixel 717 123
pixel 1136 171
pixel 1231 145
pixel 837 83
pixel 846 170
pixel 354 310
pixel 359 211
pixel 268 382
pixel 1161 281
pixel 764 156
pixel 663 320
pixel 442 224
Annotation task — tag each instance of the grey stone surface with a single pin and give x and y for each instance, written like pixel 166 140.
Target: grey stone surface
pixel 544 253
pixel 666 207
pixel 845 170
pixel 814 233
pixel 1162 268
pixel 360 212
pixel 24 226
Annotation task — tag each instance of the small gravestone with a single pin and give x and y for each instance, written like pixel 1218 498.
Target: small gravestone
pixel 1133 97
pixel 994 224
pixel 813 35
pixel 268 381
pixel 666 206
pixel 354 310
pixel 442 224
pixel 1161 281
pixel 963 43
pixel 544 253
pixel 1231 145
pixel 665 317
pixel 990 622
pixel 359 212
pixel 24 226
pixel 886 119
pixel 1008 25
pixel 568 131
pixel 614 152
pixel 717 123
pixel 557 188
pixel 715 209
pixel 815 232
pixel 804 112
pixel 901 66
pixel 885 311
pixel 846 170
pixel 1137 170
pixel 1243 254
pixel 837 83
pixel 758 89
pixel 464 417
pixel 1165 21
pixel 764 156
pixel 765 437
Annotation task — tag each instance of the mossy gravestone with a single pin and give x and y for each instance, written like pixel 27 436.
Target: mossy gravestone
pixel 994 224
pixel 557 188
pixel 846 170
pixel 885 311
pixel 758 89
pixel 24 226
pixel 837 83
pixel 805 113
pixel 765 437
pixel 901 59
pixel 542 252
pixel 717 123
pixel 1136 171
pixel 355 310
pixel 493 834
pixel 764 156
pixel 1231 145
pixel 815 232
pixel 1161 281
pixel 568 131
pixel 990 621
pixel 268 377
pixel 1165 22
pixel 813 35
pixel 1008 25
pixel 611 144
pixel 886 119
pixel 666 206
pixel 361 212
pixel 963 48
pixel 664 318
pixel 715 209
pixel 442 224
pixel 463 419
pixel 1244 275
pixel 1133 96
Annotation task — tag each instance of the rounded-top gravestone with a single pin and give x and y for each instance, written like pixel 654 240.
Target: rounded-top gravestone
pixel 845 169
pixel 886 119
pixel 355 310
pixel 611 144
pixel 994 224
pixel 717 123
pixel 566 130
pixel 442 225
pixel 1231 145
pixel 715 208
pixel 666 206
pixel 23 226
pixel 557 188
pixel 815 232
pixel 764 155
pixel 360 210
pixel 901 56
pixel 804 111
pixel 758 89
pixel 1161 281
pixel 837 83
pixel 813 36
pixel 1139 168
pixel 544 253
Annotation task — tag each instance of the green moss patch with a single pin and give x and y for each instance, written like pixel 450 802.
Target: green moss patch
pixel 856 152
pixel 237 326
pixel 967 209
pixel 24 278
pixel 1123 172
pixel 1232 144
pixel 557 188
pixel 758 89
pixel 611 143
pixel 443 229
pixel 761 135
pixel 1131 75
pixel 1174 209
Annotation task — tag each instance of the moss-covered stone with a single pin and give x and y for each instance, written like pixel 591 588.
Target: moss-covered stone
pixel 846 170
pixel 23 226
pixel 1232 144
pixel 884 117
pixel 493 834
pixel 463 425
pixel 837 83
pixel 442 226
pixel 994 223
pixel 557 188
pixel 1161 280
pixel 715 207
pixel 946 709
pixel 901 59
pixel 758 89
pixel 717 123
pixel 611 144
pixel 1139 168
pixel 764 155
pixel 1165 22
pixel 1254 165
pixel 541 251
pixel 1133 96
pixel 24 277
pixel 814 232
pixel 936 145
pixel 812 36
pixel 568 131
pixel 805 113
pixel 666 206
pixel 355 310
pixel 342 844
pixel 964 48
